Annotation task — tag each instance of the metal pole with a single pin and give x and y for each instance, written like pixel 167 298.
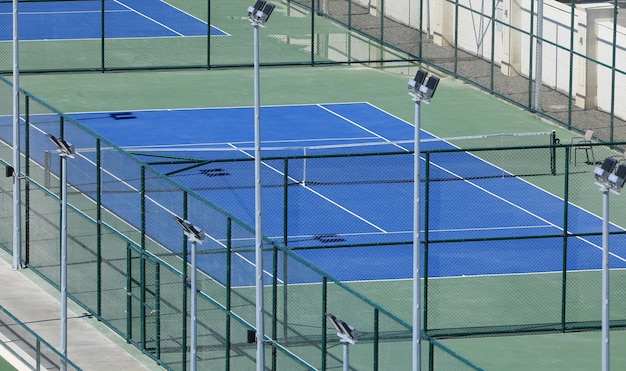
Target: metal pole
pixel 260 330
pixel 346 356
pixel 194 309
pixel 63 260
pixel 417 325
pixel 605 279
pixel 17 195
pixel 539 56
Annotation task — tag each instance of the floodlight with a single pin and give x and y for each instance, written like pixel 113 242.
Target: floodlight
pixel 417 81
pixel 616 181
pixel 609 164
pixel 345 332
pixel 260 12
pixel 191 231
pixel 602 172
pixel 420 77
pixel 423 92
pixel 257 7
pixel 432 83
pixel 64 147
pixel 267 11
pixel 9 171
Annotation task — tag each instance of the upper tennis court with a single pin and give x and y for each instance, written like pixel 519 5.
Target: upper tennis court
pixel 76 20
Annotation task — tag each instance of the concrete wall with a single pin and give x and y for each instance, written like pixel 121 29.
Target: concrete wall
pixel 589 32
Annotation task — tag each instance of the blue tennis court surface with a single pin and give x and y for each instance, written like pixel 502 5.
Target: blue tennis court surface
pixel 358 202
pixel 63 20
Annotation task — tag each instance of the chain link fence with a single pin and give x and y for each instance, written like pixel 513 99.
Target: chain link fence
pixel 128 262
pixel 497 46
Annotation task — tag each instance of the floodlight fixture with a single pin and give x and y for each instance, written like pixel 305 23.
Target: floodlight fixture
pixel 616 180
pixel 431 85
pixel 260 12
pixel 257 6
pixel 9 171
pixel 192 232
pixel 423 92
pixel 267 11
pixel 346 333
pixel 65 148
pixel 602 172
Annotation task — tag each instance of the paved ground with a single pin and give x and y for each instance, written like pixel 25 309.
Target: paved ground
pixel 91 345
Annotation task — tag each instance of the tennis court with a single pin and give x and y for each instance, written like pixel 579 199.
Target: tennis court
pixel 504 252
pixel 75 20
pixel 352 200
pixel 505 296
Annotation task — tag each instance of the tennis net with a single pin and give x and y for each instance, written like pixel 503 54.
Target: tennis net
pixel 304 148
pixel 210 166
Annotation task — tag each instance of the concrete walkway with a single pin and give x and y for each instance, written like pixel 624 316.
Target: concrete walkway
pixel 90 344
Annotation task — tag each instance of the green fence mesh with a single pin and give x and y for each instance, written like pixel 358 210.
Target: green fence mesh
pixel 376 33
pixel 30 348
pixel 128 262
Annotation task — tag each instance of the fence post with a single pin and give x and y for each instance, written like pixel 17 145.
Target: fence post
pixel 142 259
pixel 376 334
pixel 324 319
pixel 98 228
pixel 426 238
pixel 184 287
pixel 26 258
pixel 229 223
pixel 565 229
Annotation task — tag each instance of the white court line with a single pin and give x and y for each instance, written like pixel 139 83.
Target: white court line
pixel 131 187
pixel 71 12
pixel 196 18
pixel 363 128
pixel 526 182
pixel 523 209
pixel 319 194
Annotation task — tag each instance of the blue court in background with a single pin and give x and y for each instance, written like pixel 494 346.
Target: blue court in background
pixel 360 213
pixel 73 20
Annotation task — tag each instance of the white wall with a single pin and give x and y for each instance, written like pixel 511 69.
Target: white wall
pixel 591 35
pixel 605 56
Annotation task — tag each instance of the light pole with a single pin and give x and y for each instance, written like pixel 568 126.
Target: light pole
pixel 607 181
pixel 17 189
pixel 258 15
pixel 347 335
pixel 194 235
pixel 420 93
pixel 65 150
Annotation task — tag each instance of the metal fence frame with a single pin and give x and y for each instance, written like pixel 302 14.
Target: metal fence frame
pixel 120 272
